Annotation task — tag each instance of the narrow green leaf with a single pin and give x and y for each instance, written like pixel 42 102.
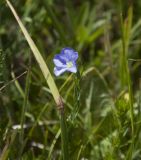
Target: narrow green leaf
pixel 39 58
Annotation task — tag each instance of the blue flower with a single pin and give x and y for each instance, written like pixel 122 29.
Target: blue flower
pixel 65 61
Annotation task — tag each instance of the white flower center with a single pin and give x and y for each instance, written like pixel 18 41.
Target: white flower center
pixel 69 64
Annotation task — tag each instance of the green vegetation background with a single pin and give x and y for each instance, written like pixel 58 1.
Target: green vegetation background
pixel 104 112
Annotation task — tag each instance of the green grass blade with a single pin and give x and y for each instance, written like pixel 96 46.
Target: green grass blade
pixel 53 144
pixel 25 106
pixel 38 57
pixel 126 33
pixel 50 81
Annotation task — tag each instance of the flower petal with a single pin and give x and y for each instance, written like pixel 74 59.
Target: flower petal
pixel 61 57
pixel 75 56
pixel 69 54
pixel 58 63
pixel 72 69
pixel 58 72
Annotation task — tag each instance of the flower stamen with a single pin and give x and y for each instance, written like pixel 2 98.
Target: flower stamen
pixel 69 64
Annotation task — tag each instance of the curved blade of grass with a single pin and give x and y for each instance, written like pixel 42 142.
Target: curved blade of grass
pixel 53 144
pixel 39 58
pixel 50 81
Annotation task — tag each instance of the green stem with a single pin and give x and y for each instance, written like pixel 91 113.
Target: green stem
pixel 126 30
pixel 24 109
pixel 64 136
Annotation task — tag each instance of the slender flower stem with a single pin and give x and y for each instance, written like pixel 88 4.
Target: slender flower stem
pixel 64 135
